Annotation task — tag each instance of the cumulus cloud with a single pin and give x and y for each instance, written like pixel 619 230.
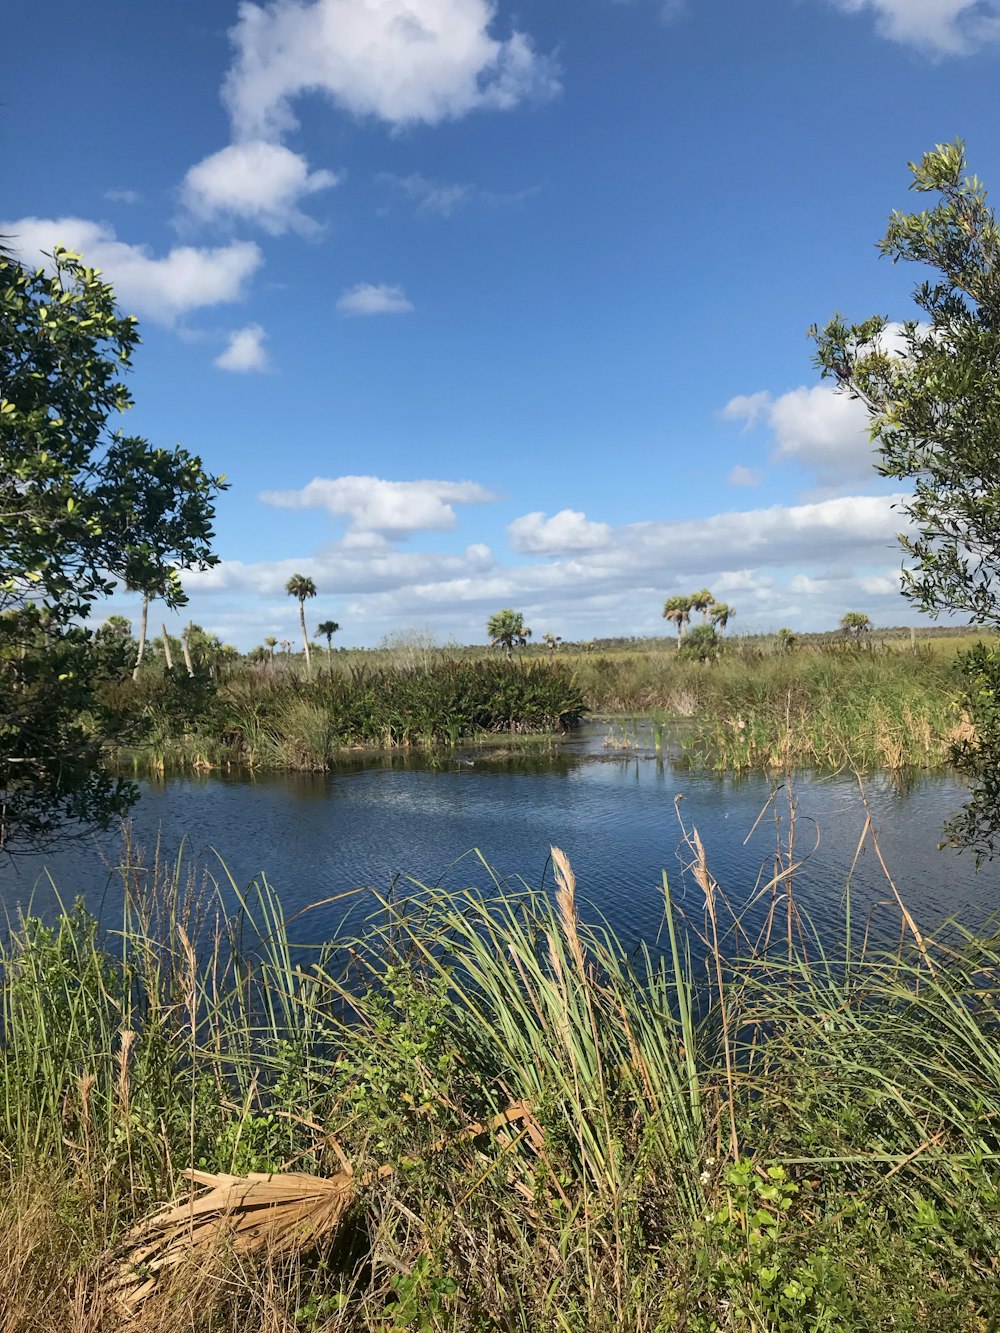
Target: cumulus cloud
pixel 798 564
pixel 402 61
pixel 744 476
pixel 392 508
pixel 186 278
pixel 259 181
pixel 245 351
pixel 819 426
pixel 368 298
pixel 942 27
pixel 569 530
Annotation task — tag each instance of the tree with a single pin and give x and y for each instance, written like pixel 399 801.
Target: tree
pixel 785 640
pixel 678 610
pixel 82 507
pixel 930 388
pixel 328 628
pixel 701 601
pixel 271 643
pixel 507 630
pixel 721 614
pixel 855 625
pixel 300 587
pixel 702 643
pixel 552 641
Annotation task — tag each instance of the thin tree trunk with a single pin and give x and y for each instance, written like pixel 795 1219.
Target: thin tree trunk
pixel 143 623
pixel 166 648
pixel 305 639
pixel 186 645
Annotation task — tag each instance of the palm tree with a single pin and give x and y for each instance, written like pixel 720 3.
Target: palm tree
pixel 271 643
pixel 678 610
pixel 328 628
pixel 286 646
pixel 721 614
pixel 701 601
pixel 300 587
pixel 507 630
pixel 143 626
pixel 855 623
pixel 784 640
pixel 551 641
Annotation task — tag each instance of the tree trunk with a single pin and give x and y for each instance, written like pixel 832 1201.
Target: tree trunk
pixel 305 639
pixel 143 622
pixel 186 644
pixel 166 648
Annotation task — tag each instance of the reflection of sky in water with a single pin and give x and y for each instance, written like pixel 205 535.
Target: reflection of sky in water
pixel 315 836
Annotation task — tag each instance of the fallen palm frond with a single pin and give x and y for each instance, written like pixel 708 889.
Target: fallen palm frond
pixel 280 1213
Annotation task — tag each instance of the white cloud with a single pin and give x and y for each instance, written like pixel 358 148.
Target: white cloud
pixel 262 182
pixel 569 530
pixel 186 278
pixel 943 27
pixel 368 298
pixel 392 508
pixel 880 585
pixel 123 196
pixel 403 61
pixel 747 407
pixel 744 476
pixel 819 426
pixel 801 565
pixel 245 351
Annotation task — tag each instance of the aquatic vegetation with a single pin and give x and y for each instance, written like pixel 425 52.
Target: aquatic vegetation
pixel 273 720
pixel 872 708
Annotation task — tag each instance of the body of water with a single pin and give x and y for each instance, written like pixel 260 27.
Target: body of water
pixel 379 819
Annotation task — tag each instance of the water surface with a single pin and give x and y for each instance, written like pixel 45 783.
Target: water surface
pixel 377 819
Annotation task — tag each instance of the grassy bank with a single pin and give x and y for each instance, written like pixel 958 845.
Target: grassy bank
pixel 525 1127
pixel 753 707
pixel 278 719
pixel 885 707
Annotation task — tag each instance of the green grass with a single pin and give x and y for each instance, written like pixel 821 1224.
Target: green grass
pixel 736 1129
pixel 877 707
pixel 276 719
pixel 887 704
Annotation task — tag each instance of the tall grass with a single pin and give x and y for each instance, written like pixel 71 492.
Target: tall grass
pixel 872 708
pixel 738 1126
pixel 279 720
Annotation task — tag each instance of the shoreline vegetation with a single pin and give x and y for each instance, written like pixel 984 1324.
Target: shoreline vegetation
pixel 762 703
pixel 485 1113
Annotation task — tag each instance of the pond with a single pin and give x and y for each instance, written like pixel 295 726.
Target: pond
pixel 614 811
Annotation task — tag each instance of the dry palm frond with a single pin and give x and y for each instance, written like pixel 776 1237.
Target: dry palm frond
pixel 279 1213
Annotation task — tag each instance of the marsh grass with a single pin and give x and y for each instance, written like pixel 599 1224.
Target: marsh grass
pixel 275 719
pixel 738 1126
pixel 833 706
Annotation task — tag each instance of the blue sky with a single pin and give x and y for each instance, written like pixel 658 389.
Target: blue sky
pixel 480 305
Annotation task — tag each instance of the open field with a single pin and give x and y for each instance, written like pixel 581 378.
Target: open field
pixel 519 1126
